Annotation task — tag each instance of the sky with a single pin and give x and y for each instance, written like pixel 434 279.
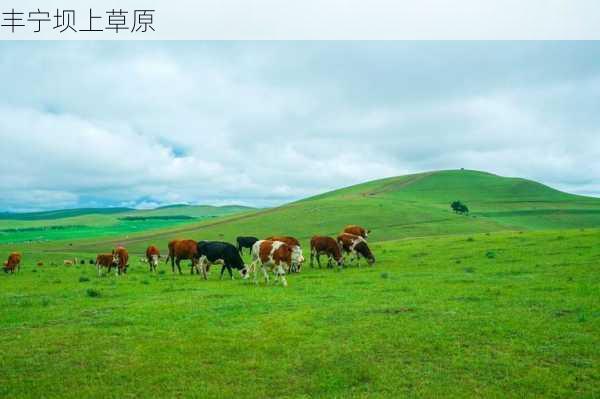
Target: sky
pixel 143 124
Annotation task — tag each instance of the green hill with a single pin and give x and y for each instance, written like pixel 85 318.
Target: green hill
pixel 400 207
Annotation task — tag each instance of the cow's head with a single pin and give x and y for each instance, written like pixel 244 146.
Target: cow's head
pixel 5 263
pixel 363 249
pixel 245 272
pixel 115 256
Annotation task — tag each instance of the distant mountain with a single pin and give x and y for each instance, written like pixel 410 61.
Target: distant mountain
pixel 63 213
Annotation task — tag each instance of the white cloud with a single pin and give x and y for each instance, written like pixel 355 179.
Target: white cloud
pixel 142 124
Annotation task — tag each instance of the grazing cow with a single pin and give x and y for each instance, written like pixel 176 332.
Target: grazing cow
pixel 182 250
pixel 275 256
pixel 106 260
pixel 152 256
pixel 357 231
pixel 40 263
pixel 211 252
pixel 297 257
pixel 245 242
pixel 322 245
pixel 121 259
pixel 356 245
pixel 13 263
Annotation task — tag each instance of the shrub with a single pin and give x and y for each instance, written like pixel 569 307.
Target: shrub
pixel 92 293
pixel 490 254
pixel 459 207
pixel 385 275
pixel 83 279
pixel 470 239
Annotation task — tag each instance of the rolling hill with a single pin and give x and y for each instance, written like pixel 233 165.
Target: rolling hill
pixel 398 207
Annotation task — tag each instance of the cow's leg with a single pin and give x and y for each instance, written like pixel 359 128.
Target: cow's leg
pixel 319 259
pixel 312 256
pixel 281 274
pixel 222 271
pixel 265 274
pixel 173 264
pixel 203 269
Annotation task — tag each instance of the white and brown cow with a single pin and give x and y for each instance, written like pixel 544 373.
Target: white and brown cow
pixel 357 246
pixel 357 230
pixel 108 261
pixel 297 256
pixel 323 245
pixel 275 256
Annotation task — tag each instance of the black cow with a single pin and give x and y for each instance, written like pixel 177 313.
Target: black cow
pixel 245 242
pixel 210 252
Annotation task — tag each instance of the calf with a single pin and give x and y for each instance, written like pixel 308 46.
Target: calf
pixel 13 263
pixel 106 260
pixel 356 245
pixel 275 256
pixel 321 245
pixel 211 252
pixel 297 257
pixel 357 231
pixel 245 242
pixel 182 250
pixel 152 256
pixel 121 257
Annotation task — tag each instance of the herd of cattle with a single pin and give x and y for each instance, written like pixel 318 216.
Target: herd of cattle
pixel 276 254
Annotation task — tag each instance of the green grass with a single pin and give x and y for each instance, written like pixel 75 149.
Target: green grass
pixel 73 224
pixel 436 317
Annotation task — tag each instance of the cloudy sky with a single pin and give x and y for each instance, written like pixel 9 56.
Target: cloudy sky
pixel 262 123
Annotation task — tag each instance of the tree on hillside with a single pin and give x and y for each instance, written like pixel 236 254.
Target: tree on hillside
pixel 459 207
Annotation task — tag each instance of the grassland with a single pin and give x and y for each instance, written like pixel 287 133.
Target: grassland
pixel 500 315
pixel 501 303
pixel 73 224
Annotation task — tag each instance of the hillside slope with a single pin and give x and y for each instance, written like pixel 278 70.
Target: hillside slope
pixel 399 207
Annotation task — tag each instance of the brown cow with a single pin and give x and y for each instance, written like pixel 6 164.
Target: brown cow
pixel 13 263
pixel 182 250
pixel 108 261
pixel 356 245
pixel 275 256
pixel 152 255
pixel 357 231
pixel 322 245
pixel 121 259
pixel 297 257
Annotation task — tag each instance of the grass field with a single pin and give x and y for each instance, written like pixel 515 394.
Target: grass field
pixel 73 224
pixel 502 303
pixel 499 315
